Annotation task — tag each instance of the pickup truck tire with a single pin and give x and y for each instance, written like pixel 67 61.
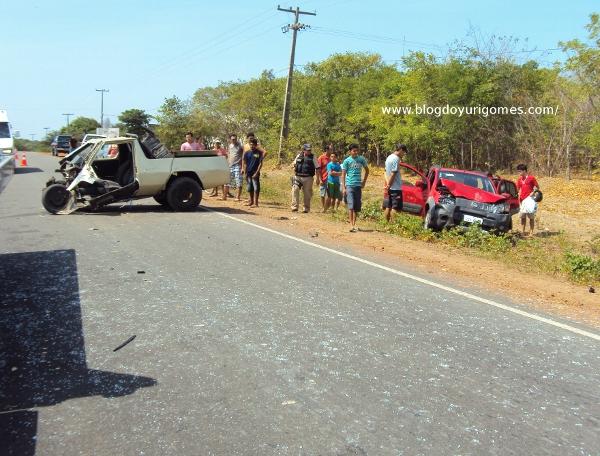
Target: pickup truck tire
pixel 55 198
pixel 161 198
pixel 184 194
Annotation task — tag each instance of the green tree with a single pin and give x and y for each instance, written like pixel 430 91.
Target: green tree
pixel 134 121
pixel 174 121
pixel 80 126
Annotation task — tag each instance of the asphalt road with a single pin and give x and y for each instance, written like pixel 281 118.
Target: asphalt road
pixel 253 344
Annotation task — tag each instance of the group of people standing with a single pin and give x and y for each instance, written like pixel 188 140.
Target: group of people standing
pixel 337 181
pixel 244 160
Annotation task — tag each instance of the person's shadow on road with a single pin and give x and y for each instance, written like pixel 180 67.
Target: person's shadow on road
pixel 42 352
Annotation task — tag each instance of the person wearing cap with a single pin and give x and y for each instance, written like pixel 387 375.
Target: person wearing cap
pixel 392 187
pixel 352 184
pixel 306 167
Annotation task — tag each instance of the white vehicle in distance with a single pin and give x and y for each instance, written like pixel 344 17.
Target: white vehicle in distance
pixel 7 150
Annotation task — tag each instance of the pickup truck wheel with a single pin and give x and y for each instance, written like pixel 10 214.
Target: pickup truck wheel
pixel 161 199
pixel 55 198
pixel 184 194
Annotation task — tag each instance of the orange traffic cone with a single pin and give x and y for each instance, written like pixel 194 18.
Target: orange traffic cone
pixel 23 160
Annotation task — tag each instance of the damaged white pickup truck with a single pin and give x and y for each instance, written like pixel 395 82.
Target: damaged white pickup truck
pixel 109 170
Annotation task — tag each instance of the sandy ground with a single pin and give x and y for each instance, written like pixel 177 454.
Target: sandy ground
pixel 535 291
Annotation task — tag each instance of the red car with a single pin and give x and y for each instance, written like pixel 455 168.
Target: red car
pixel 448 197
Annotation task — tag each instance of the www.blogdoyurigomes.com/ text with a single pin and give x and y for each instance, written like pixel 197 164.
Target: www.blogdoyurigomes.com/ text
pixel 484 111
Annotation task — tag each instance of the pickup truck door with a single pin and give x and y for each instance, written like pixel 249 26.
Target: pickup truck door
pixel 151 173
pixel 415 190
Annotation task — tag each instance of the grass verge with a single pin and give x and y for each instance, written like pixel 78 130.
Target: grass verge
pixel 552 254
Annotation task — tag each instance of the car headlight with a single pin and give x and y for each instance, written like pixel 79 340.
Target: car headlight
pixel 500 208
pixel 7 151
pixel 447 199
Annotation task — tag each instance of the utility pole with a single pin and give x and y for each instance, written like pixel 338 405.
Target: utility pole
pixel 46 129
pixel 285 129
pixel 68 115
pixel 32 136
pixel 102 105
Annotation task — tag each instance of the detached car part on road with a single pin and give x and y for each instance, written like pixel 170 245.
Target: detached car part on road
pixel 108 170
pixel 449 197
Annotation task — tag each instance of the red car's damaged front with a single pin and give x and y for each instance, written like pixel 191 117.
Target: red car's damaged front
pixel 450 197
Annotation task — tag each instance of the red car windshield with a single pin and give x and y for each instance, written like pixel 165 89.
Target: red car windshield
pixel 472 180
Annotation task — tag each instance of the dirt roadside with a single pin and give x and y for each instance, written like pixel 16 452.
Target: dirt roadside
pixel 536 291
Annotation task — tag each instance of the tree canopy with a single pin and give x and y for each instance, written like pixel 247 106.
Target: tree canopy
pixel 342 100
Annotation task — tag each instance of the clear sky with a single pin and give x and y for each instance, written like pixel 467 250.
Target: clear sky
pixel 55 53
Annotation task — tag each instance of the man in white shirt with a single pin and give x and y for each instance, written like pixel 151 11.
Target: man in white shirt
pixel 392 189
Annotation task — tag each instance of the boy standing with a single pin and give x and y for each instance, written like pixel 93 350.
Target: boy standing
pixel 334 194
pixel 323 161
pixel 526 184
pixel 251 166
pixel 352 184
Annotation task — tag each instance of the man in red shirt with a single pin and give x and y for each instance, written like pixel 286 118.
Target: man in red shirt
pixel 323 161
pixel 526 184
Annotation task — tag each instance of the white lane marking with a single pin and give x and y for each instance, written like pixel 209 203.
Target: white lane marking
pixel 548 321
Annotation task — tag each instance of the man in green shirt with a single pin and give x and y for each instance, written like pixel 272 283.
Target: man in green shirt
pixel 353 183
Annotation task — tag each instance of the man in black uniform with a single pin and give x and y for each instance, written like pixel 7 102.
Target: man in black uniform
pixel 305 170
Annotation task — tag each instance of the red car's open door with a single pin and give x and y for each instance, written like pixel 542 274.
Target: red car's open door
pixel 415 190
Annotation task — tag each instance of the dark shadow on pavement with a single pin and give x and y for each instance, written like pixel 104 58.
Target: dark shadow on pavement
pixel 28 170
pixel 42 348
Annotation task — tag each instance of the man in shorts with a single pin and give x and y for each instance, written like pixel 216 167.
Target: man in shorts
pixel 392 188
pixel 235 151
pixel 526 184
pixel 334 193
pixel 352 184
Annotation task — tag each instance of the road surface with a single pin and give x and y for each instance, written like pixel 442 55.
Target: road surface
pixel 251 343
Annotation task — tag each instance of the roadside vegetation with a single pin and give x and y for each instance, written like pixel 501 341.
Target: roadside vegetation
pixel 565 254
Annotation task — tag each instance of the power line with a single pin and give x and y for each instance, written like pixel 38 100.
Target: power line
pixel 210 46
pixel 373 38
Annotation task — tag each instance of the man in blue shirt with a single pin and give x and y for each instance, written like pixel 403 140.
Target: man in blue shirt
pixel 352 184
pixel 392 189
